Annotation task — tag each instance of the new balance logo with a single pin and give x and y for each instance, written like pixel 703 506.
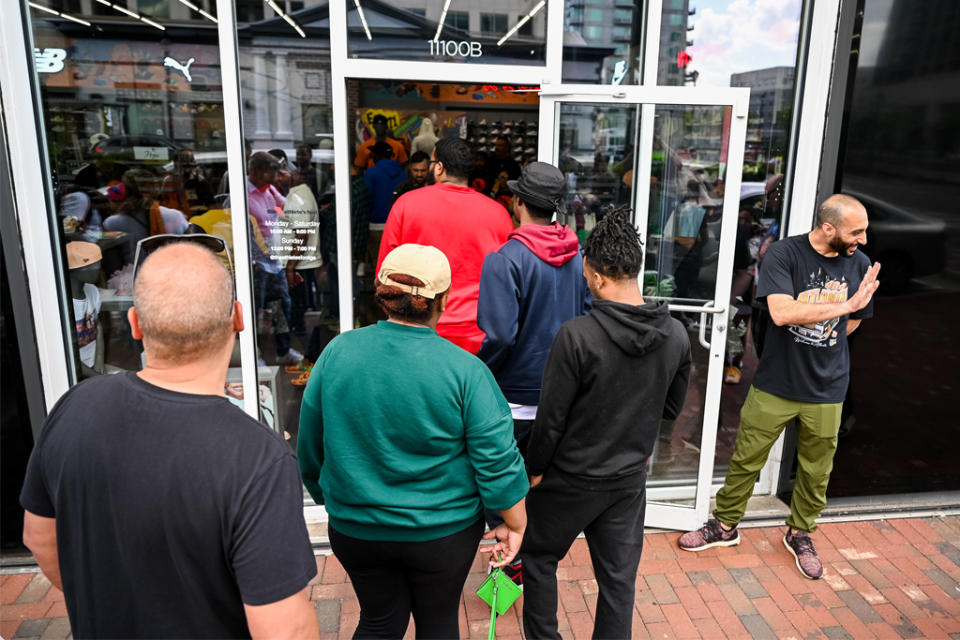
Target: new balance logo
pixel 49 60
pixel 182 68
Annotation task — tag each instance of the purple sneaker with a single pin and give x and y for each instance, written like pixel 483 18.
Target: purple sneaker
pixel 801 546
pixel 709 535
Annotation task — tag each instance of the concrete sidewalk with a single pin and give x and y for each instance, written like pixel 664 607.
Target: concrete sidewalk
pixel 883 579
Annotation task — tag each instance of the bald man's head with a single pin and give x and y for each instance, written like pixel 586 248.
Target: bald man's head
pixel 834 208
pixel 183 297
pixel 847 220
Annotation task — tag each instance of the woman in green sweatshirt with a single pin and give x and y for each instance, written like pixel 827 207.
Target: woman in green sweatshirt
pixel 405 438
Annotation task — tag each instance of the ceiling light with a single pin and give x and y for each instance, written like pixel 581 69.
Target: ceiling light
pixel 60 14
pixel 363 19
pixel 443 18
pixel 522 22
pixel 188 3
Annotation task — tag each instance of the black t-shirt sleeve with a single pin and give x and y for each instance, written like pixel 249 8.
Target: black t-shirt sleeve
pixel 775 273
pixel 270 553
pixel 34 496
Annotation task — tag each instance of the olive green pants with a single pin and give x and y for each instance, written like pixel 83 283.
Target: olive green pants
pixel 762 419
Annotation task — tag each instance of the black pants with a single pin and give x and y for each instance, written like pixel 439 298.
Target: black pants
pixel 521 433
pixel 613 523
pixel 394 579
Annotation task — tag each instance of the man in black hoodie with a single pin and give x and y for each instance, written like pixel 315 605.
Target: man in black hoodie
pixel 610 378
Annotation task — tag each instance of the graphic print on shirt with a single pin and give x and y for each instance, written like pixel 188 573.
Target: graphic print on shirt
pixel 86 330
pixel 820 289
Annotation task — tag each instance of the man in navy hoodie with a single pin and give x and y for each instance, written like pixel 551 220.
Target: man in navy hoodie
pixel 610 378
pixel 381 180
pixel 528 289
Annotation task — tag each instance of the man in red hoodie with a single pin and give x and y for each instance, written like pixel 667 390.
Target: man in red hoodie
pixel 528 289
pixel 458 221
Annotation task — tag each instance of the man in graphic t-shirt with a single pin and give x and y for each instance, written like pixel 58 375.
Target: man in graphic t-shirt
pixel 818 288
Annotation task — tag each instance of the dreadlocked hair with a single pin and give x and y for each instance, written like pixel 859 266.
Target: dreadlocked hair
pixel 613 248
pixel 401 305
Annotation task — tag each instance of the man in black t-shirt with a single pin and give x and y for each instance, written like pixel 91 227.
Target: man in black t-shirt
pixel 159 508
pixel 818 289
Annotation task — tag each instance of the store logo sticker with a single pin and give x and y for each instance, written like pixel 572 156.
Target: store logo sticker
pixel 49 60
pixel 182 68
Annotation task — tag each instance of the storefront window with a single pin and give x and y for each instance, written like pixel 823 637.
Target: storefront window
pixel 287 124
pixel 477 32
pixel 601 45
pixel 135 133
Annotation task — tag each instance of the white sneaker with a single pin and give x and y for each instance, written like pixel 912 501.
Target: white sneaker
pixel 291 357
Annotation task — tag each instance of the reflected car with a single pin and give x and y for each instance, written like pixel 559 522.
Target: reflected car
pixel 908 245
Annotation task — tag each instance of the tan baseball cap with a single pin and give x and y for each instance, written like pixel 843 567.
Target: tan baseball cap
pixel 425 263
pixel 82 254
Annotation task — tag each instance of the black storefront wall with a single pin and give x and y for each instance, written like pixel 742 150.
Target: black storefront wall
pixel 22 409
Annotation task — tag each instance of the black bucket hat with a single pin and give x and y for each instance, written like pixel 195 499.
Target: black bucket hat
pixel 542 185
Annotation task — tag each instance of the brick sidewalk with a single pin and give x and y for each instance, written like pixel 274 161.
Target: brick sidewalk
pixel 882 579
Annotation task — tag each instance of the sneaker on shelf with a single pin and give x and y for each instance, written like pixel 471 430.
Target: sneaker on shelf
pixel 514 571
pixel 709 535
pixel 801 546
pixel 300 367
pixel 302 379
pixel 732 374
pixel 290 357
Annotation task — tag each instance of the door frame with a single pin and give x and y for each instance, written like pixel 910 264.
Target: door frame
pixel 647 98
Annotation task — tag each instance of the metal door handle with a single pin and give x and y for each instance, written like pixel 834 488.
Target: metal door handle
pixel 707 308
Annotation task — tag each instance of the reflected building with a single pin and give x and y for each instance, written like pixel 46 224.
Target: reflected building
pixel 771 102
pixel 675 30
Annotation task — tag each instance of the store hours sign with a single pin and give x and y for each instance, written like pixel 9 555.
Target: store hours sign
pixel 455 48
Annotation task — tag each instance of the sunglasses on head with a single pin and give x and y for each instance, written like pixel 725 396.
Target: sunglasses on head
pixel 150 244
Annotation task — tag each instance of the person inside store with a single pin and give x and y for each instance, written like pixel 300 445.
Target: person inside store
pixel 264 200
pixel 453 217
pixel 500 191
pixel 818 288
pixel 303 215
pixel 223 191
pixel 418 168
pixel 479 175
pixel 134 212
pixel 305 172
pixel 160 509
pixel 502 159
pixel 83 261
pixel 382 181
pixel 364 159
pixel 405 438
pixel 187 189
pixel 528 289
pixel 687 233
pixel 610 378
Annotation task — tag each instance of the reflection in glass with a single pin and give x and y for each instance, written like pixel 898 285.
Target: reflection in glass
pixel 471 31
pixel 601 42
pixel 596 146
pixel 134 125
pixel 900 156
pixel 684 222
pixel 287 121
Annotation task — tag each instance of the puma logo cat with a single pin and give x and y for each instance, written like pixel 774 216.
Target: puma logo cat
pixel 182 68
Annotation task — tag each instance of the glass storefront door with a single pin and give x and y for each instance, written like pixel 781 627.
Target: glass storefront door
pixel 672 156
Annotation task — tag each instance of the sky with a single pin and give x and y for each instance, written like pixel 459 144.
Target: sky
pixel 733 36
